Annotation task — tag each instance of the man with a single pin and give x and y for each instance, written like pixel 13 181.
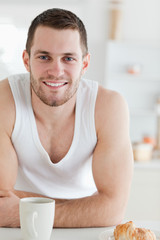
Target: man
pixel 66 137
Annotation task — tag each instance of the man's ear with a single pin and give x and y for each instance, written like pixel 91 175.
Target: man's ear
pixel 25 57
pixel 86 61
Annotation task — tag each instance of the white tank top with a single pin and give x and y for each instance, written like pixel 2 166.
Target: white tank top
pixel 72 176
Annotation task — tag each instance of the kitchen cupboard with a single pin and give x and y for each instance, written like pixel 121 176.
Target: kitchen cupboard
pixel 144 200
pixel 141 90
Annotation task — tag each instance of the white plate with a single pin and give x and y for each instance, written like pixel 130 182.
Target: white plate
pixel 108 235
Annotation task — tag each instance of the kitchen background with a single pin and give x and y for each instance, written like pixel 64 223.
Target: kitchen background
pixel 124 42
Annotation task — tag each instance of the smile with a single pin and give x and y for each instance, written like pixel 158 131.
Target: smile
pixel 54 84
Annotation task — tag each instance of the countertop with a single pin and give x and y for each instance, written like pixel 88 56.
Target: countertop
pixel 76 233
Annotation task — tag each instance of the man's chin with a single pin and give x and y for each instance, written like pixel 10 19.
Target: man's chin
pixel 54 103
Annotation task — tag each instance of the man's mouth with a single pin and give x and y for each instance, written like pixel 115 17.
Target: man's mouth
pixel 55 84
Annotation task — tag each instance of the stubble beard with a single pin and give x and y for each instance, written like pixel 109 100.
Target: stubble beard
pixel 50 100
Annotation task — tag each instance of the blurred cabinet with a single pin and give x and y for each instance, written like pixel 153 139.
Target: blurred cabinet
pixel 145 195
pixel 141 90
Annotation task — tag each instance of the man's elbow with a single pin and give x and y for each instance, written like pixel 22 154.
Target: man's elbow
pixel 114 220
pixel 113 212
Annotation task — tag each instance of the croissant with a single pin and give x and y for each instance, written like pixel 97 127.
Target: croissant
pixel 128 231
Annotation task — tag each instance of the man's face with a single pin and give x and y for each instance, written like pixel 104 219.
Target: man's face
pixel 55 64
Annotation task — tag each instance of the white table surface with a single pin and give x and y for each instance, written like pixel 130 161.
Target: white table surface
pixel 74 233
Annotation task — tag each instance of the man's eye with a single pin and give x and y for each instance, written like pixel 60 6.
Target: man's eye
pixel 43 57
pixel 69 59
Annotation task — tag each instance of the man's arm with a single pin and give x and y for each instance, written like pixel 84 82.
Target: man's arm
pixel 8 158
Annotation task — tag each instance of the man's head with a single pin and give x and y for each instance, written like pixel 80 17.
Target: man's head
pixel 56 56
pixel 58 19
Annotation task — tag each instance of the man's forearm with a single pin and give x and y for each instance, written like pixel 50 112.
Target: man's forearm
pixel 93 211
pixel 74 213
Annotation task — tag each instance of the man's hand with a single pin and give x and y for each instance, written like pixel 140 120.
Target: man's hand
pixel 9 209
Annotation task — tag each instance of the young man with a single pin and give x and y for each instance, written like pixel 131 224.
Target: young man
pixel 66 137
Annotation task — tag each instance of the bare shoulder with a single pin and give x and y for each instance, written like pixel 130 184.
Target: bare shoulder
pixel 111 108
pixel 108 99
pixel 7 106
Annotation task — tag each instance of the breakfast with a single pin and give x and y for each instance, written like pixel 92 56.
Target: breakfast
pixel 128 231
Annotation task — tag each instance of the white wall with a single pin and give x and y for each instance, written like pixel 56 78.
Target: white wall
pixel 142 20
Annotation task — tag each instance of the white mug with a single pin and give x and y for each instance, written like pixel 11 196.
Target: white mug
pixel 36 218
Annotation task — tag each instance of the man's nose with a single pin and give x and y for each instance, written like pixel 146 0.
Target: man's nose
pixel 56 68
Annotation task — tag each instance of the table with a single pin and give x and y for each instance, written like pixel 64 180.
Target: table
pixel 74 233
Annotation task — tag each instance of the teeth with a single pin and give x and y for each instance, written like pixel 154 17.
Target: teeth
pixel 54 84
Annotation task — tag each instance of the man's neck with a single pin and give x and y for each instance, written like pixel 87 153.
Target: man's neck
pixel 52 115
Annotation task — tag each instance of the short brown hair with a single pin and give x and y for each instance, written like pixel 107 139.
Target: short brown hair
pixel 59 19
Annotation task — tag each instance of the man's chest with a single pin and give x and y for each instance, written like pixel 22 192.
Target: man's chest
pixel 56 142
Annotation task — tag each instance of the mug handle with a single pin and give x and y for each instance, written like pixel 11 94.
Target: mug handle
pixel 31 222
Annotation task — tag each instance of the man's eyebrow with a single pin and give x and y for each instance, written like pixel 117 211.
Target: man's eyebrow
pixel 70 54
pixel 39 51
